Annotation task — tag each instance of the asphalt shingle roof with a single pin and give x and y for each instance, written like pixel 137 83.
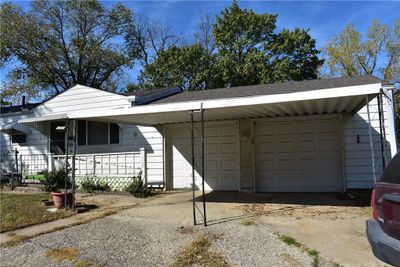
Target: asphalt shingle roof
pixel 269 89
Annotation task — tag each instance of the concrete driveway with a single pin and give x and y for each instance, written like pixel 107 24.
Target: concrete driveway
pixel 154 232
pixel 330 223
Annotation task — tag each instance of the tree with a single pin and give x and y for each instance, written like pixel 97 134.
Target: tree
pixel 251 52
pixel 239 48
pixel 204 35
pixel 349 54
pixel 147 39
pixel 58 44
pixel 190 66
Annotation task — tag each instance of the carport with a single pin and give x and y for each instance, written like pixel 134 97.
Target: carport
pixel 298 101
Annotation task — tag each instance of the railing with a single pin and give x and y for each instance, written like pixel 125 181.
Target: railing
pixel 29 164
pixel 32 164
pixel 125 164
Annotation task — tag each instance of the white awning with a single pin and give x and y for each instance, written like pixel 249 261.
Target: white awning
pixel 14 126
pixel 325 101
pixel 54 117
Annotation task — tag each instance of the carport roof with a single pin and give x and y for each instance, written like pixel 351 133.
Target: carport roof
pixel 269 89
pixel 290 99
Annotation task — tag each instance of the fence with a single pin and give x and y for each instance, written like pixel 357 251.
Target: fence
pixel 103 164
pixel 32 164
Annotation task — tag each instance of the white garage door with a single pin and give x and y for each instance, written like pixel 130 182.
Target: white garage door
pixel 221 156
pixel 297 156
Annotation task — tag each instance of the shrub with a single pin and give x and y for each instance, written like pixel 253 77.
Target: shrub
pixel 54 181
pixel 90 185
pixel 137 188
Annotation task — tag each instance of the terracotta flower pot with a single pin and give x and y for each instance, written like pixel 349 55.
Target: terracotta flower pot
pixel 59 199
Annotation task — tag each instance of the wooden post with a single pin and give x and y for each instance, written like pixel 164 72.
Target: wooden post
pixel 94 164
pixel 50 162
pixel 144 165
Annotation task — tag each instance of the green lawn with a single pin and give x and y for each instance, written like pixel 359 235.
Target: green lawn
pixel 39 177
pixel 18 211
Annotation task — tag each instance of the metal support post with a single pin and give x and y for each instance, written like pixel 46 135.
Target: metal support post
pixel 193 169
pixel 73 163
pixel 66 135
pixel 380 130
pixel 371 143
pixel 202 165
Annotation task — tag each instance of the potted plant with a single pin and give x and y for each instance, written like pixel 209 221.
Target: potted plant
pixel 54 182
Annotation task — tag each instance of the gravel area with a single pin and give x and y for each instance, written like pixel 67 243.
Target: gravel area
pixel 255 245
pixel 153 233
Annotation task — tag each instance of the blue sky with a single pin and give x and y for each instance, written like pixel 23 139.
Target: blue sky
pixel 323 18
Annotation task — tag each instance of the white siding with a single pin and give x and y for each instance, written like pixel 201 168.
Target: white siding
pixel 357 156
pixel 132 139
pixel 36 141
pixel 81 98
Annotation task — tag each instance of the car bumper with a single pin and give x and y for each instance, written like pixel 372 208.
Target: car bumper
pixel 385 247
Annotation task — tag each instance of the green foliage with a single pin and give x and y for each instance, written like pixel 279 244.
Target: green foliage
pixel 315 255
pixel 91 184
pixel 247 50
pixel 61 43
pixel 190 66
pixel 137 188
pixel 289 241
pixel 54 181
pixel 352 53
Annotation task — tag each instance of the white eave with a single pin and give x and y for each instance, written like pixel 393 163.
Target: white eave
pixel 14 126
pixel 333 100
pixel 52 117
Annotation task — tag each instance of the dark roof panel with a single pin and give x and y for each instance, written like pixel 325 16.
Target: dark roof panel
pixel 13 109
pixel 269 89
pixel 147 91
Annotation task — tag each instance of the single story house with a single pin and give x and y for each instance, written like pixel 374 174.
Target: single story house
pixel 325 135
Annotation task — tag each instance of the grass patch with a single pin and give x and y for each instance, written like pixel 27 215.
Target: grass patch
pixel 198 254
pixel 248 222
pixel 84 263
pixel 16 239
pixel 22 210
pixel 62 254
pixel 39 177
pixel 289 241
pixel 315 255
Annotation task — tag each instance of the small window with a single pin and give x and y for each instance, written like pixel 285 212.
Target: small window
pixel 114 133
pixel 81 133
pixel 18 137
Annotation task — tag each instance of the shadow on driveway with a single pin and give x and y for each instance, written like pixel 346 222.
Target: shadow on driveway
pixel 354 199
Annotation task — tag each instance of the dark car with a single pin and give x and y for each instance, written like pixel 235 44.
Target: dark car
pixel 383 230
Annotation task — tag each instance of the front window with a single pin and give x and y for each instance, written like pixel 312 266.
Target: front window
pixel 18 137
pixel 97 133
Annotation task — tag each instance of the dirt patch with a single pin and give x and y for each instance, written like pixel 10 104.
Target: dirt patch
pixel 62 254
pixel 187 230
pixel 300 211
